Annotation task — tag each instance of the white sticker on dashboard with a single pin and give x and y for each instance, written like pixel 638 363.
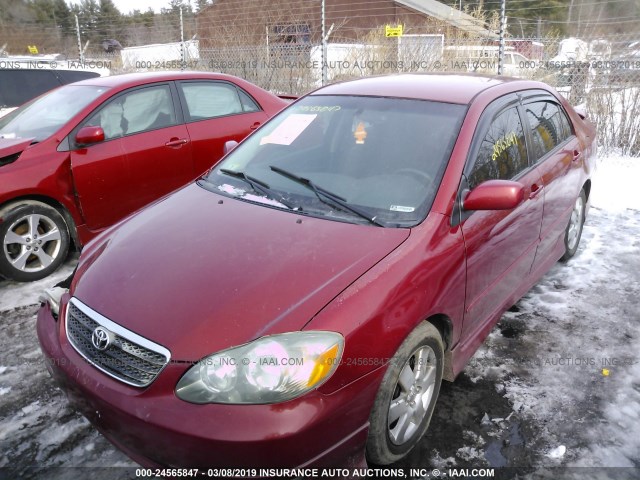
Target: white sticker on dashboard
pixel 290 129
pixel 400 208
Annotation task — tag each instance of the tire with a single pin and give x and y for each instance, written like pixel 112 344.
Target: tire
pixel 573 232
pixel 401 412
pixel 34 241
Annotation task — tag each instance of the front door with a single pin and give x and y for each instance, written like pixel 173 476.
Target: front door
pixel 145 155
pixel 500 245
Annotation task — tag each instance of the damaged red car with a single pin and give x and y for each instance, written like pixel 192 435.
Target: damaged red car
pixel 316 286
pixel 78 159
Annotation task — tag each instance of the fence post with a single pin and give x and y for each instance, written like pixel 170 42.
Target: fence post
pixel 182 50
pixel 503 27
pixel 80 52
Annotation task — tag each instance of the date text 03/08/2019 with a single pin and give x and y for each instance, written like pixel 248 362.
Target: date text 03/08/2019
pixel 317 473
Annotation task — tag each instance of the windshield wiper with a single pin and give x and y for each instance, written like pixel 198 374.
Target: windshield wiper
pixel 320 192
pixel 258 186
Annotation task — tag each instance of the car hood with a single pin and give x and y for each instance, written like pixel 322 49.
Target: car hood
pixel 199 272
pixel 11 146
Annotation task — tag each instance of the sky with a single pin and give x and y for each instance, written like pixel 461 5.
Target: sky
pixel 126 6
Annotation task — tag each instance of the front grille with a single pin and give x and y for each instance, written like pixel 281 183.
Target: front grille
pixel 128 357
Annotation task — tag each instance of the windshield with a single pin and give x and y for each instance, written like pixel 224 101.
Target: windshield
pixel 359 159
pixel 42 117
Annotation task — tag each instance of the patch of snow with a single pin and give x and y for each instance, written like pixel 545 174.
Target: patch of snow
pixel 17 294
pixel 485 419
pixel 470 453
pixel 557 452
pixel 615 184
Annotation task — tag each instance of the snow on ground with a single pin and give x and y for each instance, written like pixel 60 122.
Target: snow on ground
pixel 567 355
pixel 557 383
pixel 14 295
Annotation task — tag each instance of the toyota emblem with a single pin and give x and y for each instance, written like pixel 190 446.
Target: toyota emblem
pixel 101 338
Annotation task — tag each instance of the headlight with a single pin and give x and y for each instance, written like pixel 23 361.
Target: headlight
pixel 268 370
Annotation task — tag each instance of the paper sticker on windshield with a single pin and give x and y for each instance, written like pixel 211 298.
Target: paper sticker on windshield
pixel 400 208
pixel 289 129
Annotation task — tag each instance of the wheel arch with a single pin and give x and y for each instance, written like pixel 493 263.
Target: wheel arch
pixel 444 325
pixel 48 201
pixel 587 188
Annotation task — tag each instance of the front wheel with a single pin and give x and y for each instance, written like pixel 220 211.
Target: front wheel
pixel 34 241
pixel 407 396
pixel 573 232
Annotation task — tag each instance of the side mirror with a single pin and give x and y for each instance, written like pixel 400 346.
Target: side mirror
pixel 494 195
pixel 89 135
pixel 229 145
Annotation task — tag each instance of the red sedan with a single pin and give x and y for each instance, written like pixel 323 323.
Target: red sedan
pixel 82 157
pixel 331 271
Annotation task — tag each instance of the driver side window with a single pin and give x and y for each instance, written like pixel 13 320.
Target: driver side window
pixel 503 152
pixel 138 111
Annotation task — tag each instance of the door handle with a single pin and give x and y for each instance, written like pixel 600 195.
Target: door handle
pixel 176 142
pixel 577 155
pixel 254 126
pixel 535 190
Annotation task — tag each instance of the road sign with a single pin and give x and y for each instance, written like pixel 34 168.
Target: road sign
pixel 393 31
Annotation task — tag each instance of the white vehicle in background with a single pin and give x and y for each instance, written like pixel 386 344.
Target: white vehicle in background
pixel 484 59
pixel 571 50
pixel 25 78
pixel 161 56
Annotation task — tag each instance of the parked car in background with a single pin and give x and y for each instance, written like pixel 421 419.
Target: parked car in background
pixel 85 155
pixel 24 78
pixel 301 302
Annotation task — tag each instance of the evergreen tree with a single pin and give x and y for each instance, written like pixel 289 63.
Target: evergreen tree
pixel 109 23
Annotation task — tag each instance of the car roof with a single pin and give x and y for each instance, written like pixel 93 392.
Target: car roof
pixel 133 79
pixel 450 88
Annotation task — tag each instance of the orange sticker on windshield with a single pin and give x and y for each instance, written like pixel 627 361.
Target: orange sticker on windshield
pixel 360 134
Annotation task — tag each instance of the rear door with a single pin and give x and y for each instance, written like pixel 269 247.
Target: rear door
pixel 146 154
pixel 500 245
pixel 557 154
pixel 215 112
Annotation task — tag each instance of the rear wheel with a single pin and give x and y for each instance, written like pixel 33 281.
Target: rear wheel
pixel 407 396
pixel 34 242
pixel 573 232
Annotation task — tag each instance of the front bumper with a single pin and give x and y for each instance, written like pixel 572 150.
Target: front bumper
pixel 155 428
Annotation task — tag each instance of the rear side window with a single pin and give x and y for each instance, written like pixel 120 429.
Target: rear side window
pixel 20 86
pixel 214 99
pixel 549 126
pixel 503 153
pixel 248 104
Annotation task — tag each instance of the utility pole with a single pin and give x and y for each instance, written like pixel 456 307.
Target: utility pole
pixel 324 43
pixel 503 28
pixel 80 52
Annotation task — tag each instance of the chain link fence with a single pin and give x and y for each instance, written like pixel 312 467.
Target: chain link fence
pixel 600 73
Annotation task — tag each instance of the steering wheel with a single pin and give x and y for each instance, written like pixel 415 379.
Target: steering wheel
pixel 415 172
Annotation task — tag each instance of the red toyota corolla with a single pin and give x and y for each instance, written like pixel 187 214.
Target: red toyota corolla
pixel 300 304
pixel 78 159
